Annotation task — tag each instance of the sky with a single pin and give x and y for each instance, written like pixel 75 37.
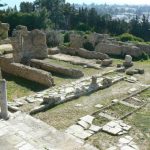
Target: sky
pixel 11 3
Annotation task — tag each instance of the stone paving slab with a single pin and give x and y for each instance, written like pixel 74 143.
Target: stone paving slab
pixel 23 132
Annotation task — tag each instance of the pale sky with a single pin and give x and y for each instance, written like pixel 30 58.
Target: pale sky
pixel 135 2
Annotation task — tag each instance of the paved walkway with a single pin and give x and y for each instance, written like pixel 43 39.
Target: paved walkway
pixel 23 132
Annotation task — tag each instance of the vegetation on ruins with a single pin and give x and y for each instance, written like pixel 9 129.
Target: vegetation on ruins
pixel 57 14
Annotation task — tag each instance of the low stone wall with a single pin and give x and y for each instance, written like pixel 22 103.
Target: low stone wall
pixel 119 50
pixel 29 73
pixel 56 68
pixel 83 53
pixel 145 48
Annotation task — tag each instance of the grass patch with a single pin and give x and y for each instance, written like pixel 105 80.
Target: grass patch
pixel 118 110
pixel 145 95
pixel 100 121
pixel 19 87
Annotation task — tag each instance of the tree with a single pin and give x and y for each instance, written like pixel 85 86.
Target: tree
pixel 26 7
pixel 54 7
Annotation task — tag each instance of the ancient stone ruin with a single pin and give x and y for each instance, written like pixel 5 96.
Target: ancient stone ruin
pixel 28 44
pixel 101 79
pixel 3 99
pixel 4 27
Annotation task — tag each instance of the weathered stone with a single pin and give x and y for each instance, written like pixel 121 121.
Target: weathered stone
pixel 28 45
pixel 130 72
pixel 26 72
pixel 98 106
pixel 115 101
pixel 3 100
pixel 94 80
pixel 116 127
pixel 54 68
pixel 127 64
pixel 89 119
pixel 140 71
pixel 128 59
pixel 121 69
pixel 117 49
pixel 119 65
pixel 84 124
pixel 83 53
pixel 13 108
pixel 6 49
pixel 4 27
pixel 76 40
pixel 54 50
pixel 107 82
pixel 132 90
pixel 131 79
pixel 106 62
pixel 95 128
pixel 78 105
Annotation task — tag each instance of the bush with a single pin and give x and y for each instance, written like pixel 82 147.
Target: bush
pixel 89 46
pixel 129 37
pixel 53 38
pixel 66 38
pixel 145 56
pixel 82 27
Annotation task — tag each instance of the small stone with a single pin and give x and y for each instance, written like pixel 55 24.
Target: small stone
pixel 95 128
pixel 78 105
pixel 132 90
pixel 89 119
pixel 13 108
pixel 115 101
pixel 84 124
pixel 106 62
pixel 98 106
pixel 30 100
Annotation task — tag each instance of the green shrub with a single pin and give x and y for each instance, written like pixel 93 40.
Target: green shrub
pixel 66 38
pixel 89 46
pixel 145 56
pixel 126 37
pixel 53 38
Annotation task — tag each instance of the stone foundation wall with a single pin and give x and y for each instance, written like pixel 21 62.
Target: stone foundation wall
pixel 83 53
pixel 4 27
pixel 56 68
pixel 118 49
pixel 145 48
pixel 29 73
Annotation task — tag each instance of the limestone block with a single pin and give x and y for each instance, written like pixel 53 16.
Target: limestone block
pixel 4 27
